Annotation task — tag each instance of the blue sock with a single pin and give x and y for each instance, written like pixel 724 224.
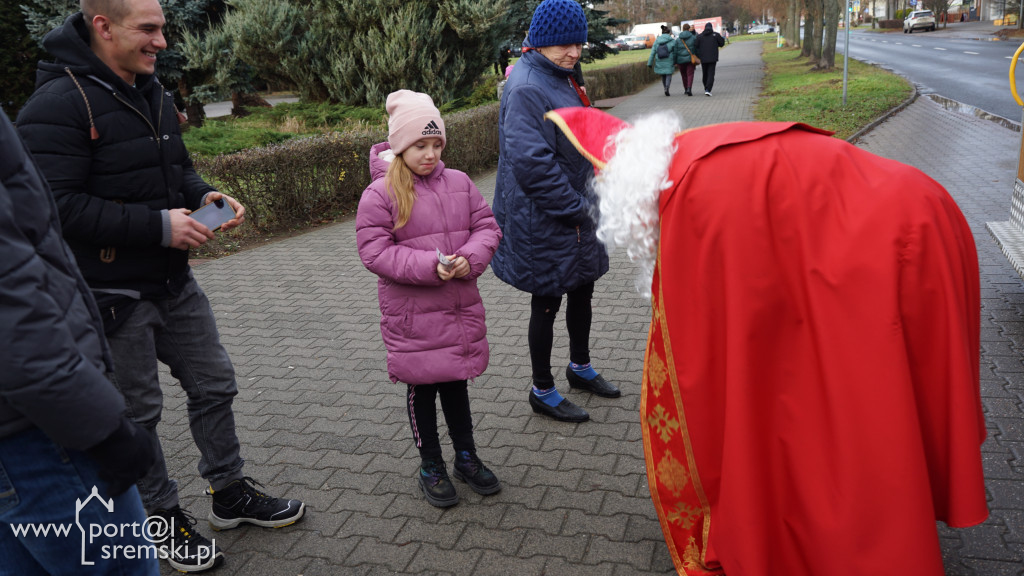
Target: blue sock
pixel 583 370
pixel 551 397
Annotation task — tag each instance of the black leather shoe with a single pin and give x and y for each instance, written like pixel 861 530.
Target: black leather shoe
pixel 566 411
pixel 436 486
pixel 472 471
pixel 598 385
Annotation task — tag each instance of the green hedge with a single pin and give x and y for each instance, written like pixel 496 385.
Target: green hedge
pixel 286 185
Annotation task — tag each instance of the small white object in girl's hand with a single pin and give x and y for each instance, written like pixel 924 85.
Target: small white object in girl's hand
pixel 444 260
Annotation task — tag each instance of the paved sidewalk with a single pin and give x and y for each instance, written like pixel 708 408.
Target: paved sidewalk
pixel 320 421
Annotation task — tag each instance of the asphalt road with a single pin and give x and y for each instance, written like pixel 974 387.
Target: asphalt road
pixel 971 71
pixel 215 109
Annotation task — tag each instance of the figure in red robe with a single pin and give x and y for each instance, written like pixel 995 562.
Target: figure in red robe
pixel 811 401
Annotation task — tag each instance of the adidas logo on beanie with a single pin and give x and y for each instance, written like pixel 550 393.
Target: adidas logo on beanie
pixel 412 116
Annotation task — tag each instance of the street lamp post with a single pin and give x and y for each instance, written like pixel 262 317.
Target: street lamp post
pixel 846 51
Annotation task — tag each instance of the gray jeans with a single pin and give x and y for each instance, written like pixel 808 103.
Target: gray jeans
pixel 181 333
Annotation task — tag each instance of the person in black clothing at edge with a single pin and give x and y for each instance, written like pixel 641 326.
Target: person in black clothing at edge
pixel 105 134
pixel 64 434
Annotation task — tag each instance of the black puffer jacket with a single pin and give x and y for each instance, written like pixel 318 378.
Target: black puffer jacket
pixel 113 185
pixel 52 352
pixel 707 44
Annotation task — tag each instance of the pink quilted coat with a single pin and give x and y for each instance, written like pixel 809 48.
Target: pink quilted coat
pixel 434 331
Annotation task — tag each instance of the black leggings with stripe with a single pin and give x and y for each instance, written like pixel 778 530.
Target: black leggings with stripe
pixel 423 416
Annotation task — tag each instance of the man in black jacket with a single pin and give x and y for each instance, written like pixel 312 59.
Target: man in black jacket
pixel 707 44
pixel 64 435
pixel 105 133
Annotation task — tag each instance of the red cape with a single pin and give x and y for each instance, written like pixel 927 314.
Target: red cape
pixel 811 398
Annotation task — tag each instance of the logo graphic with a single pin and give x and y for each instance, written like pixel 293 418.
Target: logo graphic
pixel 431 129
pixel 148 539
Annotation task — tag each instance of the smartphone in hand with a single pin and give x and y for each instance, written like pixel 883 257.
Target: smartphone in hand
pixel 214 214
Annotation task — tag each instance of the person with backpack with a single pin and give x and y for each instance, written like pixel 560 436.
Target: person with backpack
pixel 663 57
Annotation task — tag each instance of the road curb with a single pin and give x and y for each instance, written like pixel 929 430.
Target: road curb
pixel 950 104
pixel 892 111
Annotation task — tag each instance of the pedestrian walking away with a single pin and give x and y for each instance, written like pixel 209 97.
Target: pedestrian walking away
pixel 428 233
pixel 686 57
pixel 764 429
pixel 65 437
pixel 543 204
pixel 707 44
pixel 105 133
pixel 663 57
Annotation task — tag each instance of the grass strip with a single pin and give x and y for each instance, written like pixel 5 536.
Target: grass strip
pixel 794 91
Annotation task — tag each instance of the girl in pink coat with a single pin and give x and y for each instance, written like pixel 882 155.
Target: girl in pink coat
pixel 428 234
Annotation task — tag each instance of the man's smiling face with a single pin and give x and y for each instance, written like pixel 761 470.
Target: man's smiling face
pixel 135 40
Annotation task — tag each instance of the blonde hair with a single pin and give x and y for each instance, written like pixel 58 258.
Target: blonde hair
pixel 400 184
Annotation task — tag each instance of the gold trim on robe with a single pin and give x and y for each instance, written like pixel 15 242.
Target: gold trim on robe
pixel 675 486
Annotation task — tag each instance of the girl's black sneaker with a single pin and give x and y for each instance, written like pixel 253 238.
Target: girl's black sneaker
pixel 472 471
pixel 437 487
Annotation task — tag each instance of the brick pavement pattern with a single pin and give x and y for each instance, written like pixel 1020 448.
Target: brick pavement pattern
pixel 319 420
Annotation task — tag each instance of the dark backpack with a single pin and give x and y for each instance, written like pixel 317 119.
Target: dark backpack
pixel 663 50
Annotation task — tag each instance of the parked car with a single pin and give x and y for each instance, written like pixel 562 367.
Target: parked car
pixel 760 29
pixel 620 42
pixel 637 42
pixel 920 20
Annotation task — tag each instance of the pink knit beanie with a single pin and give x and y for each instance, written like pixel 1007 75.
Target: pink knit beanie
pixel 412 116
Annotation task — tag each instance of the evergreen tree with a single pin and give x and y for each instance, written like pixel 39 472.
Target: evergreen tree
pixel 18 56
pixel 358 51
pixel 41 16
pixel 197 16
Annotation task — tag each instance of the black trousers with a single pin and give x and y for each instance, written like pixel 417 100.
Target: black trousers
pixel 541 334
pixel 423 416
pixel 707 75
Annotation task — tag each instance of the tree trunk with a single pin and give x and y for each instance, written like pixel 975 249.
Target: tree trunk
pixel 239 102
pixel 812 24
pixel 827 61
pixel 195 113
pixel 792 34
pixel 819 30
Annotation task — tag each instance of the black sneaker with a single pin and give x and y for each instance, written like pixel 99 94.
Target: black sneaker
pixel 437 487
pixel 240 502
pixel 472 471
pixel 185 549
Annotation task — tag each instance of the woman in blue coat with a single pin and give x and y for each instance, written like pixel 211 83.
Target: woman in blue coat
pixel 544 208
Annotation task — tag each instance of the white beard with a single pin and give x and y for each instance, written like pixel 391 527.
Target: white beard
pixel 629 187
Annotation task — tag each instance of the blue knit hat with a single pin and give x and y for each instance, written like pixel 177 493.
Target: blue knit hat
pixel 556 23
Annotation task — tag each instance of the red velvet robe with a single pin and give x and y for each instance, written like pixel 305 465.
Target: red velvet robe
pixel 811 399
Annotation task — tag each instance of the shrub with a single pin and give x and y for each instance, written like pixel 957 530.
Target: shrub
pixel 890 23
pixel 618 80
pixel 305 179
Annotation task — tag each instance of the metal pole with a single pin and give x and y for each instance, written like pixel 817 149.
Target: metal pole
pixel 846 51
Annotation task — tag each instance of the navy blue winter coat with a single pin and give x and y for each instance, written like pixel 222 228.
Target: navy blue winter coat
pixel 54 355
pixel 547 214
